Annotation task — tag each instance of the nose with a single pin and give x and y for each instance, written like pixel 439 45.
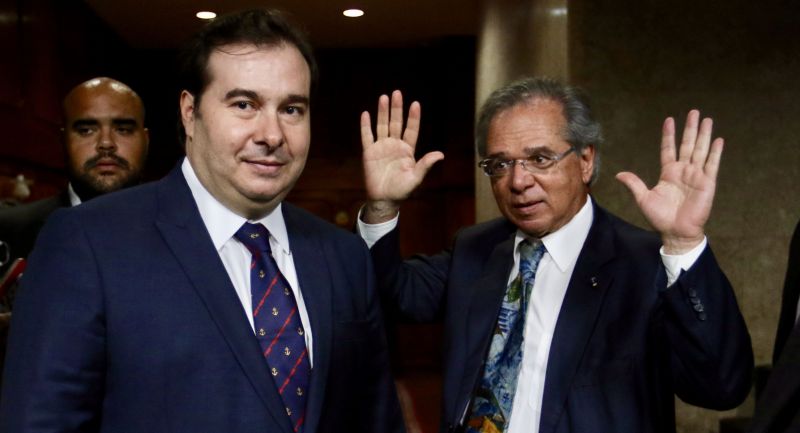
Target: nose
pixel 520 179
pixel 105 140
pixel 270 131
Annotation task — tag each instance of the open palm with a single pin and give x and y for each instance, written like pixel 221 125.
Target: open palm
pixel 391 172
pixel 679 205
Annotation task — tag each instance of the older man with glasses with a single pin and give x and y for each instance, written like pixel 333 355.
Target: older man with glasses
pixel 559 316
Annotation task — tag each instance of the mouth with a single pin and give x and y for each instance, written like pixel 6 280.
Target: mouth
pixel 528 207
pixel 107 166
pixel 265 166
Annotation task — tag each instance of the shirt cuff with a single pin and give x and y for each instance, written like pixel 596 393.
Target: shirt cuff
pixel 372 233
pixel 674 264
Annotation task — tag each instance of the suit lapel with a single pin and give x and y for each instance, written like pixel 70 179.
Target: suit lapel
pixel 486 296
pixel 183 230
pixel 310 261
pixel 582 303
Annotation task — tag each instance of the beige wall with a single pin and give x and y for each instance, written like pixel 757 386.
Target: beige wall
pixel 737 61
pixel 517 39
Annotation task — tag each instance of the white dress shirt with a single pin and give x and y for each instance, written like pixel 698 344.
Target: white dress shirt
pixel 74 200
pixel 552 278
pixel 222 224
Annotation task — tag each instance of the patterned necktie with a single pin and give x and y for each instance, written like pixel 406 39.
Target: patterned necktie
pixel 494 398
pixel 277 322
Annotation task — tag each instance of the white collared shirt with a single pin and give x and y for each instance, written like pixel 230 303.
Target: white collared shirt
pixel 222 224
pixel 74 200
pixel 552 278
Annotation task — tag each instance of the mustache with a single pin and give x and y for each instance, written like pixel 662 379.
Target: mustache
pixel 93 161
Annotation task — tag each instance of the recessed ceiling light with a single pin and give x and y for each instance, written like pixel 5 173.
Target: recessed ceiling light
pixel 353 13
pixel 206 15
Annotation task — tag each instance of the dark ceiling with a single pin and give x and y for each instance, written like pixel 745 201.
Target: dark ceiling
pixel 166 24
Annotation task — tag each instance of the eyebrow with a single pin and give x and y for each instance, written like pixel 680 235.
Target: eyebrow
pixel 237 93
pixel 250 94
pixel 123 121
pixel 297 99
pixel 529 151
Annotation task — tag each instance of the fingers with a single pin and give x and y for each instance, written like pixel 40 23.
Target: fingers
pixel 396 115
pixel 426 162
pixel 689 136
pixel 390 121
pixel 703 142
pixel 412 124
pixel 634 184
pixel 714 156
pixel 668 141
pixel 382 126
pixel 366 130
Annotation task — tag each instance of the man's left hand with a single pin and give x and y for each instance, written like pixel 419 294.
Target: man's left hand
pixel 680 203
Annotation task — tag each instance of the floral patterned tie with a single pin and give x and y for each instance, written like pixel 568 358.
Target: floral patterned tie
pixel 494 398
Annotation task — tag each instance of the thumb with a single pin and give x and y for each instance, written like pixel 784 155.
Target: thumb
pixel 634 184
pixel 426 162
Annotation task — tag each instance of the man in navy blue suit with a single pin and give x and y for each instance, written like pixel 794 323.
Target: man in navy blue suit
pixel 559 316
pixel 136 312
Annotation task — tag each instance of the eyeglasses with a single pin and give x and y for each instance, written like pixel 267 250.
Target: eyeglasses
pixel 538 163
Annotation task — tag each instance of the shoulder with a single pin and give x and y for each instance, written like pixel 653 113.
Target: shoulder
pixel 115 212
pixel 488 232
pixel 624 235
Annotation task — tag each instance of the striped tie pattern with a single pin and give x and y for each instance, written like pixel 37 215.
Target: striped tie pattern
pixel 277 324
pixel 494 398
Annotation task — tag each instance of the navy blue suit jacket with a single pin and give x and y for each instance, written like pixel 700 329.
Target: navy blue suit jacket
pixel 622 347
pixel 128 322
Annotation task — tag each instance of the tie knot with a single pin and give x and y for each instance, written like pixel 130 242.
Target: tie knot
pixel 254 236
pixel 530 253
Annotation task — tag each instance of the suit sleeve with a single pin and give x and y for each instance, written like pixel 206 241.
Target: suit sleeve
pixel 55 365
pixel 414 288
pixel 711 353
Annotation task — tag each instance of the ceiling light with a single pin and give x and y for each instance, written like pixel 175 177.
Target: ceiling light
pixel 353 13
pixel 206 15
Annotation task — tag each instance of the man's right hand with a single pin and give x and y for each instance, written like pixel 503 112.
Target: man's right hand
pixel 390 171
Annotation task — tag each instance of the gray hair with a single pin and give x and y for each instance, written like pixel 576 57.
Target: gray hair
pixel 582 129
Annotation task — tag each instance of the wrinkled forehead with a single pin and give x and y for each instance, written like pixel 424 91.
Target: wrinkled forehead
pixel 532 124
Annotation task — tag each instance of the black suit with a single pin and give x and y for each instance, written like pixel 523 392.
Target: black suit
pixel 778 409
pixel 623 344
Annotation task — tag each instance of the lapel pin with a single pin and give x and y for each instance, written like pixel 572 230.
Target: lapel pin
pixel 594 281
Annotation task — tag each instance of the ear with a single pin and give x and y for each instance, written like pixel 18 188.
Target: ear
pixel 187 113
pixel 587 163
pixel 146 133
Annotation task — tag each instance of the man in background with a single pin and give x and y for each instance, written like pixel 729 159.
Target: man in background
pixel 105 143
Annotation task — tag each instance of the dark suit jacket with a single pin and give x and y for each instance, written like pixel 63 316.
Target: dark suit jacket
pixel 128 322
pixel 19 225
pixel 622 347
pixel 778 408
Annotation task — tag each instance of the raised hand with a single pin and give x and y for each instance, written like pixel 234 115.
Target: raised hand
pixel 391 172
pixel 680 203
